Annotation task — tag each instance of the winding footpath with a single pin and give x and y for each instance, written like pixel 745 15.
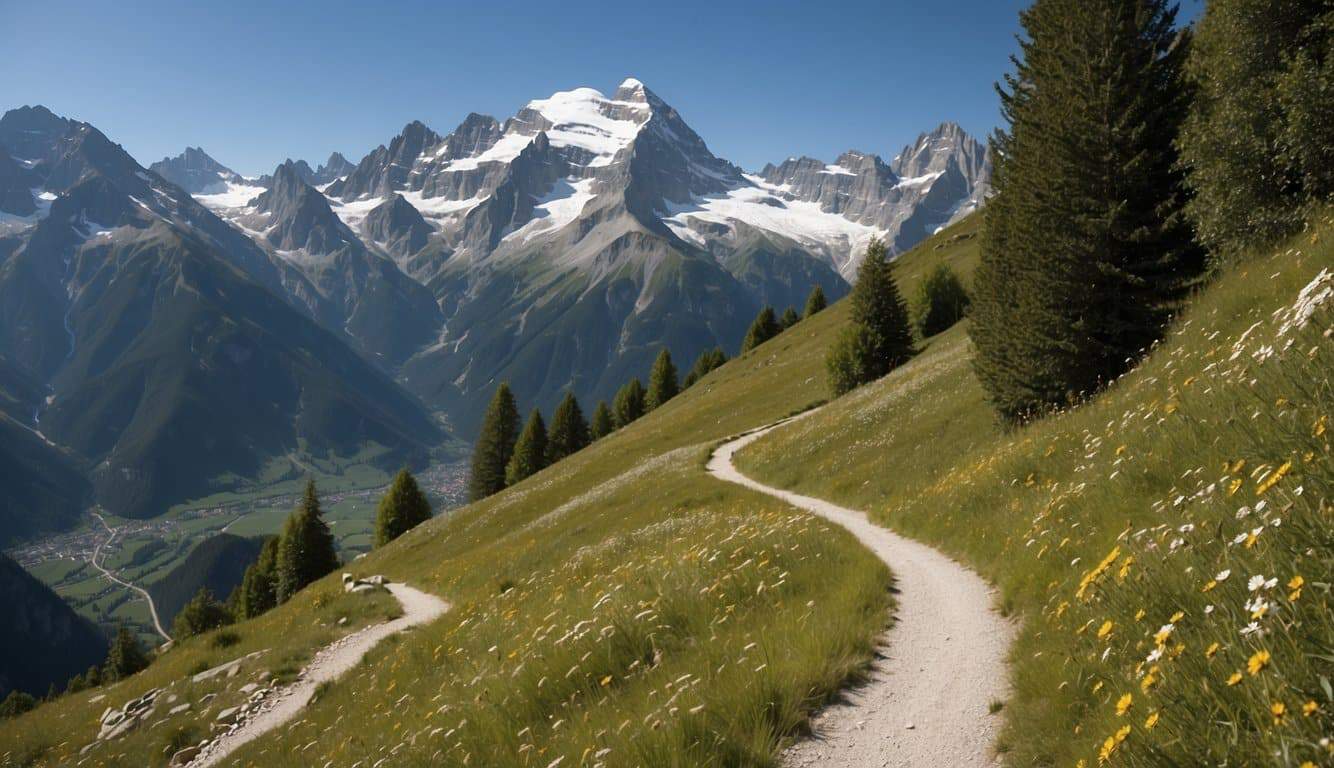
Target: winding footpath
pixel 332 662
pixel 152 607
pixel 943 662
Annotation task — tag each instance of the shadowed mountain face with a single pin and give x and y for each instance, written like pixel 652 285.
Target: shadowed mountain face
pixel 44 641
pixel 167 346
pixel 217 563
pixel 567 244
pixel 186 324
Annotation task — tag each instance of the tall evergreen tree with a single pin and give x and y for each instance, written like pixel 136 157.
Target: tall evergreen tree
pixel 1259 139
pixel 815 302
pixel 941 301
pixel 629 403
pixel 601 424
pixel 1085 251
pixel 788 319
pixel 306 550
pixel 200 615
pixel 569 431
pixel 402 508
pixel 708 360
pixel 762 328
pixel 877 338
pixel 258 591
pixel 662 383
pixel 530 453
pixel 125 657
pixel 495 445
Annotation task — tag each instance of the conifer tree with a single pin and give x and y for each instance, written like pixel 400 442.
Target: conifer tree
pixel 788 319
pixel 569 431
pixel 662 383
pixel 200 615
pixel 601 424
pixel 402 508
pixel 495 445
pixel 75 684
pixel 306 550
pixel 530 453
pixel 877 338
pixel 706 362
pixel 16 703
pixel 762 328
pixel 1085 251
pixel 629 403
pixel 815 302
pixel 93 677
pixel 125 657
pixel 258 591
pixel 1259 138
pixel 941 301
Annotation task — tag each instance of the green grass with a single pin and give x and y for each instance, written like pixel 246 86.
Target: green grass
pixel 646 609
pixel 623 608
pixel 1140 493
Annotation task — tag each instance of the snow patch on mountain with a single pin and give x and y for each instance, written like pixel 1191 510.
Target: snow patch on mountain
pixel 235 194
pixel 557 208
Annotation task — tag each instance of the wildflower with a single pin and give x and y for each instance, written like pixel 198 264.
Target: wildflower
pixel 1208 609
pixel 1178 616
pixel 1279 710
pixel 1151 720
pixel 1251 629
pixel 1150 679
pixel 1222 575
pixel 1310 708
pixel 1258 661
pixel 1295 587
pixel 1255 583
pixel 1234 486
pixel 1234 678
pixel 1105 629
pixel 1124 703
pixel 1163 633
pixel 1273 478
pixel 1210 586
pixel 1139 615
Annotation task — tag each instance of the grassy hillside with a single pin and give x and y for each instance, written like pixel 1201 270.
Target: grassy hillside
pixel 620 608
pixel 1126 531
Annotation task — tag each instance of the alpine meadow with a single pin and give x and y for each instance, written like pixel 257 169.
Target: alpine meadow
pixel 562 441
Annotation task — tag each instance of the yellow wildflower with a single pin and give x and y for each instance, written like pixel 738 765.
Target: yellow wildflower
pixel 1236 467
pixel 1124 703
pixel 1150 679
pixel 1097 686
pixel 1279 710
pixel 1258 661
pixel 1310 708
pixel 1209 587
pixel 1234 486
pixel 1273 478
pixel 1139 615
pixel 1295 585
pixel 1320 426
pixel 1178 616
pixel 1105 629
pixel 1234 679
pixel 1151 720
pixel 1211 651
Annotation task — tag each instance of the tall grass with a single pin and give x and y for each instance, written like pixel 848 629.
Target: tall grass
pixel 1107 527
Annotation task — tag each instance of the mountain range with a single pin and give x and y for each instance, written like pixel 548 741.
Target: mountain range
pixel 179 326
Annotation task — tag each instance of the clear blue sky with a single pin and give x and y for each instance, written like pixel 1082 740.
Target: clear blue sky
pixel 254 83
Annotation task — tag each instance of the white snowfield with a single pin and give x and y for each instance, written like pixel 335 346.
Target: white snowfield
pixel 236 195
pixel 927 702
